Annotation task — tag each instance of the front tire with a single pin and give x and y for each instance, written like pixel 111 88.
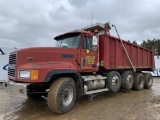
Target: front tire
pixel 62 95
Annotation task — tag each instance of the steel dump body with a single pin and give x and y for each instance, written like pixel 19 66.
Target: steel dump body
pixel 113 56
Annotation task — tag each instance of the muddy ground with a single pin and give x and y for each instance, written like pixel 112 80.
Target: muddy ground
pixel 124 105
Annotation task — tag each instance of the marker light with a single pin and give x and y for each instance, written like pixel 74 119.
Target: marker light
pixel 34 74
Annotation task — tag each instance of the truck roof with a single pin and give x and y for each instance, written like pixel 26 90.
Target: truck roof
pixel 98 26
pixel 72 32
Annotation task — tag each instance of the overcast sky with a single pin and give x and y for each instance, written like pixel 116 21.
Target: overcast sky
pixel 28 23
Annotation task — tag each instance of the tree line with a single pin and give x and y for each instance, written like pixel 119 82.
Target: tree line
pixel 150 44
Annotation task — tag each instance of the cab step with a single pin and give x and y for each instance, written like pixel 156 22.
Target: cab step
pixel 96 91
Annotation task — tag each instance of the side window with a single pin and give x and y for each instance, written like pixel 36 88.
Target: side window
pixel 87 43
pixel 90 46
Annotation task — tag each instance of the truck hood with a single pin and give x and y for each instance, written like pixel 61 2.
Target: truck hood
pixel 45 54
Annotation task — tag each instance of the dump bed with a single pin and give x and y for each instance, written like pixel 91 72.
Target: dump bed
pixel 113 56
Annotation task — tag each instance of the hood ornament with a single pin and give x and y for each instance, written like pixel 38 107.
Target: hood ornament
pixel 30 58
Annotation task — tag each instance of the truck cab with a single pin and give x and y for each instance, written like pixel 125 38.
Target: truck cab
pixel 84 53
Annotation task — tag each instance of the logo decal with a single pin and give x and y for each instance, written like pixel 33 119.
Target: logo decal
pixel 5 67
pixel 11 66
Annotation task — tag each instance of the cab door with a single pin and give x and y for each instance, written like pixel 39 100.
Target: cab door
pixel 89 57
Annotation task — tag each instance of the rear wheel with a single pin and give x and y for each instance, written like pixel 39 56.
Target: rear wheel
pixel 62 95
pixel 139 81
pixel 127 80
pixel 114 81
pixel 148 80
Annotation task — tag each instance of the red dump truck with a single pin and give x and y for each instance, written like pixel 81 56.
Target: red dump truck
pixel 84 62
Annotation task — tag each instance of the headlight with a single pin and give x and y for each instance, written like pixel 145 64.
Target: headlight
pixel 24 74
pixel 28 74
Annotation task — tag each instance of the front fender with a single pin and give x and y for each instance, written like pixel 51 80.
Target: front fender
pixel 58 71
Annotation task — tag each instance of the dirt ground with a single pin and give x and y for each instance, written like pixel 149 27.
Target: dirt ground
pixel 124 105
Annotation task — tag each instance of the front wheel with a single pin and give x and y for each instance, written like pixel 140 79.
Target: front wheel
pixel 62 95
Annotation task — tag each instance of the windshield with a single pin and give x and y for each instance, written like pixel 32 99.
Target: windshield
pixel 70 40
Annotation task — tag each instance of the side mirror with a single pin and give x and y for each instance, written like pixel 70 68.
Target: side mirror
pixel 95 41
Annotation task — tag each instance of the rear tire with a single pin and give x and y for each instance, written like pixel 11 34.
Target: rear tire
pixel 62 95
pixel 127 80
pixel 139 82
pixel 148 80
pixel 114 81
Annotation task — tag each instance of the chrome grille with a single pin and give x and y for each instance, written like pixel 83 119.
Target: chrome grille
pixel 12 64
pixel 12 58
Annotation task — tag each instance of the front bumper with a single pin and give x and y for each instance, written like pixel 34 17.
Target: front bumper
pixel 16 89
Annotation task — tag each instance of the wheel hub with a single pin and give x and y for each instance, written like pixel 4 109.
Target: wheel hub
pixel 67 95
pixel 141 82
pixel 115 81
pixel 150 81
pixel 129 80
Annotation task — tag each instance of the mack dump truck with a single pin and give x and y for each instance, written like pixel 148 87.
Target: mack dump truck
pixel 84 62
